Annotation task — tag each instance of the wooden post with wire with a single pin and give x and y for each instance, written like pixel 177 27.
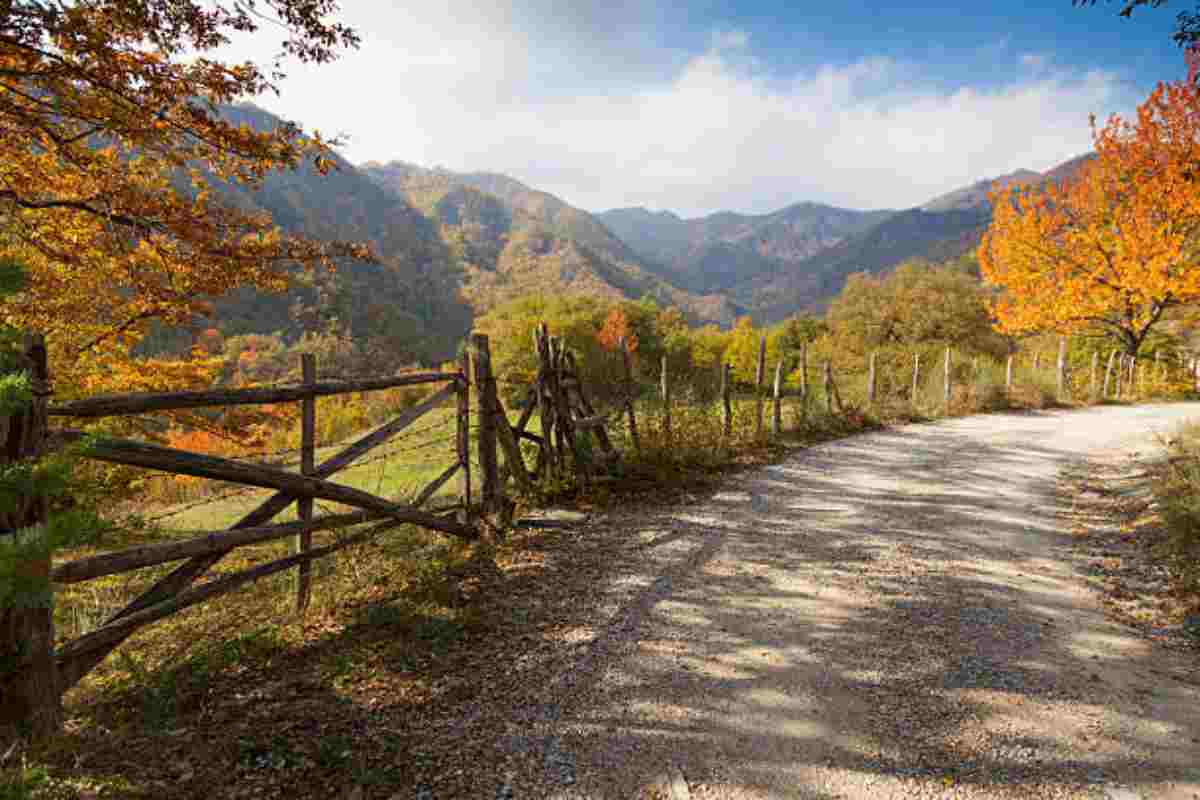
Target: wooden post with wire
pixel 627 365
pixel 829 386
pixel 916 379
pixel 462 439
pixel 759 376
pixel 946 384
pixel 803 382
pixel 1060 369
pixel 304 506
pixel 777 401
pixel 726 404
pixel 871 380
pixel 666 401
pixel 485 387
pixel 1108 374
pixel 1094 385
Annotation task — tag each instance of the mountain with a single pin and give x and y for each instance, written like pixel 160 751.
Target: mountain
pixel 932 235
pixel 720 251
pixel 406 307
pixel 799 257
pixel 976 195
pixel 513 240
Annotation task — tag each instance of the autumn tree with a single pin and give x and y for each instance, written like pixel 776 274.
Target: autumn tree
pixel 1112 250
pixel 616 329
pixel 113 150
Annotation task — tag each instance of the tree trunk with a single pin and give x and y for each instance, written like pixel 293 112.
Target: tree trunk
pixel 29 695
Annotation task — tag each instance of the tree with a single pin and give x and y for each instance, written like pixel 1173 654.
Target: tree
pixel 1115 248
pixel 113 152
pixel 917 303
pixel 1187 31
pixel 616 329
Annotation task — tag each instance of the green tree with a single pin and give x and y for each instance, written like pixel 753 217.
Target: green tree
pixel 918 303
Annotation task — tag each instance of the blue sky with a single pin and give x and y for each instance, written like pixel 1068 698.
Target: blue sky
pixel 710 105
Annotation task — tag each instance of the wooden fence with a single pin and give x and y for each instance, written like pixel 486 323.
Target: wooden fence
pixel 34 674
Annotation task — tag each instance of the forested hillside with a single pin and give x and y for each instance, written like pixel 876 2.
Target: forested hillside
pixel 512 240
pixel 404 307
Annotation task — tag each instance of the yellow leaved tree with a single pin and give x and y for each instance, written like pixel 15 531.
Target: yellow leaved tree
pixel 112 151
pixel 1112 249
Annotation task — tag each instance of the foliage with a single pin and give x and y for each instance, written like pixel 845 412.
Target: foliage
pixel 918 303
pixel 1113 249
pixel 112 157
pixel 1187 31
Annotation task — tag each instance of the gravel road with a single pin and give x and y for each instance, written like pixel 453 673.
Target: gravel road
pixel 891 615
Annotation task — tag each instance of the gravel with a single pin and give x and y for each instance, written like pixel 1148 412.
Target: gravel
pixel 892 615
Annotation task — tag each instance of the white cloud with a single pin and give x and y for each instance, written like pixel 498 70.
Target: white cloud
pixel 715 130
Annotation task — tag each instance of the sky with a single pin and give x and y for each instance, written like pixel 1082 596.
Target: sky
pixel 696 107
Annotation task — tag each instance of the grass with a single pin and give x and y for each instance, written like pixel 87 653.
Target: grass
pixel 1177 490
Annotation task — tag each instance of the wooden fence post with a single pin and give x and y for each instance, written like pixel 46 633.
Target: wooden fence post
pixel 759 376
pixel 726 405
pixel 946 386
pixel 1060 368
pixel 304 506
pixel 666 400
pixel 463 437
pixel 777 397
pixel 485 388
pixel 628 366
pixel 29 683
pixel 803 382
pixel 829 386
pixel 1120 375
pixel 1108 371
pixel 916 379
pixel 871 380
pixel 1037 361
pixel 1094 385
pixel 1008 376
pixel 545 405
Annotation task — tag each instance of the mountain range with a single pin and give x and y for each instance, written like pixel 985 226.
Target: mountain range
pixel 453 245
pixel 796 259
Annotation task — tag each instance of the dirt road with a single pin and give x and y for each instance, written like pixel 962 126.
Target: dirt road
pixel 891 615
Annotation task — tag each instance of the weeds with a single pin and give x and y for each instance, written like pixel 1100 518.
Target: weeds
pixel 1177 490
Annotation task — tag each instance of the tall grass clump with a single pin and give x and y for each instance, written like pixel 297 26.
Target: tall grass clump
pixel 1178 493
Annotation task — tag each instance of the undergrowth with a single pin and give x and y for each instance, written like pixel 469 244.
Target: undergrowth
pixel 1177 490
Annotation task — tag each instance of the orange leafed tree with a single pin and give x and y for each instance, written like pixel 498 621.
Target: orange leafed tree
pixel 1114 247
pixel 616 327
pixel 111 146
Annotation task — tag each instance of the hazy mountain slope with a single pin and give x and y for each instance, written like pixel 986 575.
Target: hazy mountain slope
pixel 719 251
pixel 810 284
pixel 514 240
pixel 799 257
pixel 975 195
pixel 405 307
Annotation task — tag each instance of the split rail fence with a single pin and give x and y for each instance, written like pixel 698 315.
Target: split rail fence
pixel 34 673
pixel 573 439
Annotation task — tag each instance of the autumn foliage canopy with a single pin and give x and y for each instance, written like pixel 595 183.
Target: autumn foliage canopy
pixel 1114 247
pixel 112 152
